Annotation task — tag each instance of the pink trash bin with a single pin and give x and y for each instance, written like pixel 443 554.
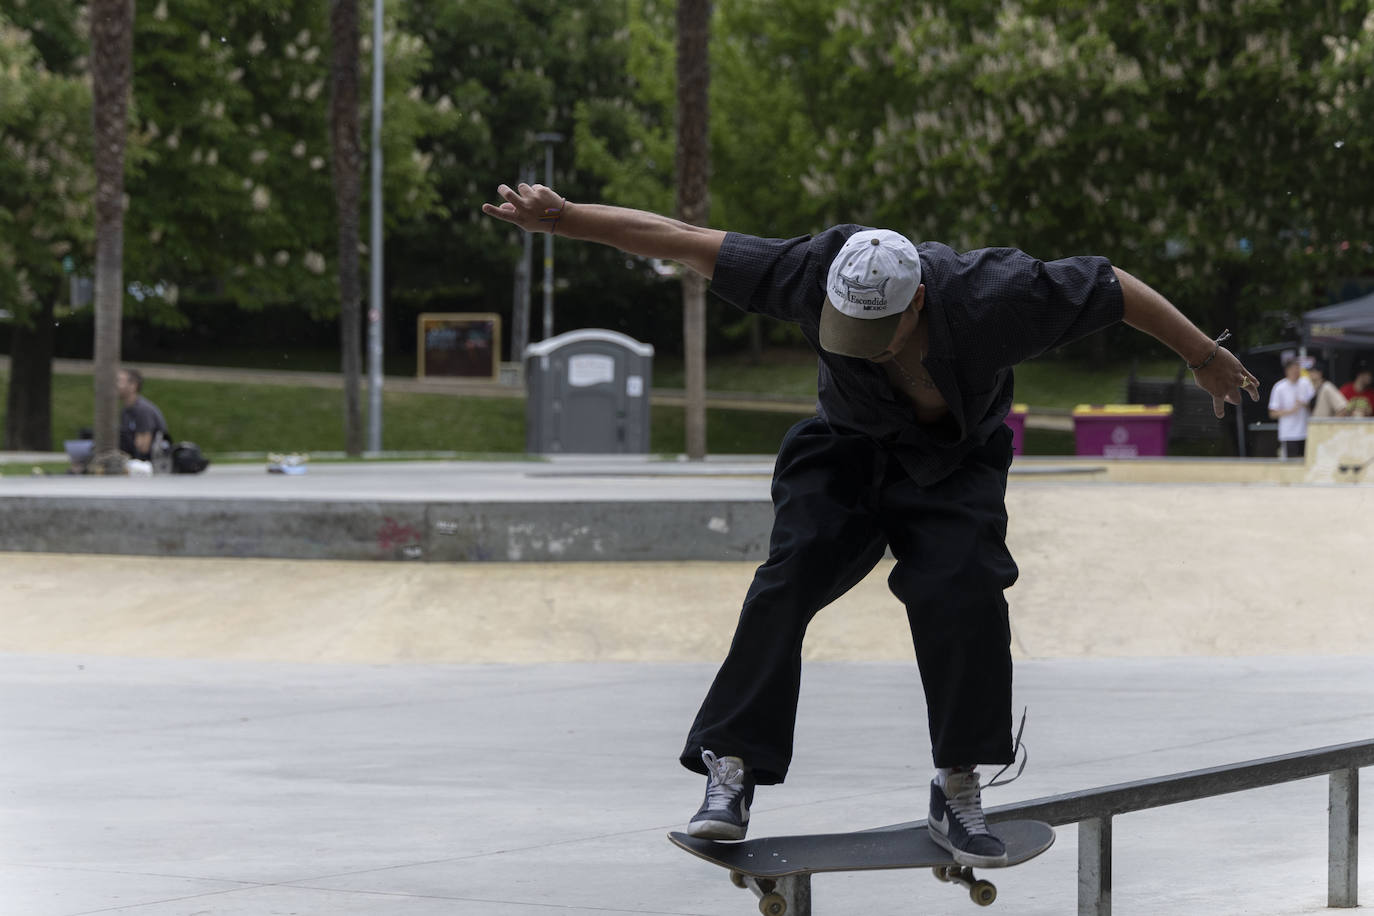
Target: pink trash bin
pixel 1017 421
pixel 1122 430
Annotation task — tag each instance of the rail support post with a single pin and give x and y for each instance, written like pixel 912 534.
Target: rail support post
pixel 1095 866
pixel 1343 840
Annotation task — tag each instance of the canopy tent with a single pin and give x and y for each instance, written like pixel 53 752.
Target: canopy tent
pixel 1345 325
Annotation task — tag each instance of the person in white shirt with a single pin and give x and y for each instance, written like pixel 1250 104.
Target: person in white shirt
pixel 1330 402
pixel 1288 403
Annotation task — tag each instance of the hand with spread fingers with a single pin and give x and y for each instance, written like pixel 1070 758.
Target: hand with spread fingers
pixel 1224 378
pixel 532 207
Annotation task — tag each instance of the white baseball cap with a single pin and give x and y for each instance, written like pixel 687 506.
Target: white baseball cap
pixel 870 283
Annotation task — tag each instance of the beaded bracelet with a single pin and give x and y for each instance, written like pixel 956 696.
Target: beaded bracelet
pixel 555 214
pixel 1224 335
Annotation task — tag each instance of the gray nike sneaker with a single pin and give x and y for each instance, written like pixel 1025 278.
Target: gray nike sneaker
pixel 956 821
pixel 724 814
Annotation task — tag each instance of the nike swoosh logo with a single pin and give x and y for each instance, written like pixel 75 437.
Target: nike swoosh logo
pixel 941 823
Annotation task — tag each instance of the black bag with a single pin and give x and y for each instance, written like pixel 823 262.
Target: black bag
pixel 187 459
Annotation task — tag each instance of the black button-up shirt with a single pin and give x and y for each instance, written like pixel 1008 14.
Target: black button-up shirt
pixel 985 310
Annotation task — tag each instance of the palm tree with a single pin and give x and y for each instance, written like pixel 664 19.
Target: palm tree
pixel 347 165
pixel 693 202
pixel 112 30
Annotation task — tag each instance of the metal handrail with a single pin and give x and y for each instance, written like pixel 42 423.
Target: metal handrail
pixel 1093 810
pixel 1192 785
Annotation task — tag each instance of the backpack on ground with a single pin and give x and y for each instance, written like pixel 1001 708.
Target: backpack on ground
pixel 187 459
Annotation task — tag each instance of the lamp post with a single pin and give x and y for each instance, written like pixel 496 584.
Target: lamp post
pixel 548 138
pixel 374 312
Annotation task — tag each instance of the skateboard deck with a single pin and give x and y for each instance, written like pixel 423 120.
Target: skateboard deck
pixel 759 863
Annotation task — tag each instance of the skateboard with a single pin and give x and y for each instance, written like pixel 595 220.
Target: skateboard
pixel 778 869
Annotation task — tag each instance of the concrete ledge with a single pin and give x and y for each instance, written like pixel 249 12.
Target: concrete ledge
pixel 460 512
pixel 381 530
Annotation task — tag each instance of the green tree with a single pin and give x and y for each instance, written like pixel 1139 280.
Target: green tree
pixel 46 186
pixel 235 196
pixel 510 69
pixel 1188 145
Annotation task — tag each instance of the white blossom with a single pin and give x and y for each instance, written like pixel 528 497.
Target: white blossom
pixel 256 45
pixel 262 198
pixel 298 150
pixel 281 259
pixel 316 163
pixel 258 156
pixel 314 262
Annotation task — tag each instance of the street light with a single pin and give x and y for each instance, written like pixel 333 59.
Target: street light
pixel 374 312
pixel 548 138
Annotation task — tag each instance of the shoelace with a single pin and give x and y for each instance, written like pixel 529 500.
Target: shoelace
pixel 1018 748
pixel 967 805
pixel 727 780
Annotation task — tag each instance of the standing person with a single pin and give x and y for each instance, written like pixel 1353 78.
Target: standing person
pixel 1328 401
pixel 1360 392
pixel 1288 403
pixel 909 450
pixel 140 420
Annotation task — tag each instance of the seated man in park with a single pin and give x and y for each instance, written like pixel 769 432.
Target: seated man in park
pixel 140 421
pixel 909 451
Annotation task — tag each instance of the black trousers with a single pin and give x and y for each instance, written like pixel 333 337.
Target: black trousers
pixel 839 500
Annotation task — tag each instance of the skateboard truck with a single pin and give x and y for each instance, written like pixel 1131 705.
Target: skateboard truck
pixel 778 896
pixel 980 890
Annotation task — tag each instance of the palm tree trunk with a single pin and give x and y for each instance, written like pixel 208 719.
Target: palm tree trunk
pixel 112 32
pixel 343 123
pixel 693 203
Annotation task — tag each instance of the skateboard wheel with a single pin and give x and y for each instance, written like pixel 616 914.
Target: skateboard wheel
pixel 983 893
pixel 773 905
pixel 941 873
pixel 737 879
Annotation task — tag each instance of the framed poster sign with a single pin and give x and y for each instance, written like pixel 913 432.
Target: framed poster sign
pixel 459 345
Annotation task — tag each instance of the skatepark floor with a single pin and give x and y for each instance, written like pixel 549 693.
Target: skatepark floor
pixel 156 787
pixel 224 737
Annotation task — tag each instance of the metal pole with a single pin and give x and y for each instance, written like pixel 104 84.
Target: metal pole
pixel 548 139
pixel 520 317
pixel 1343 840
pixel 548 251
pixel 1095 867
pixel 374 312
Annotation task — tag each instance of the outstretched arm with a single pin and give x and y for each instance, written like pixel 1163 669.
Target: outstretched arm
pixel 536 208
pixel 1220 374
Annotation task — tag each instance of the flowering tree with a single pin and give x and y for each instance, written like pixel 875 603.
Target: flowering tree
pixel 47 183
pixel 1190 144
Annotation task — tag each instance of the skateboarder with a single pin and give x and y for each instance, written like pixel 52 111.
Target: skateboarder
pixel 909 451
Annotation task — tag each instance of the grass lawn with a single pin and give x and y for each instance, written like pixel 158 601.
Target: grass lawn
pixel 270 418
pixel 224 418
pixel 1041 383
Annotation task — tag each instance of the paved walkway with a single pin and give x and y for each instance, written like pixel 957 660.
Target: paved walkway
pixel 149 787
